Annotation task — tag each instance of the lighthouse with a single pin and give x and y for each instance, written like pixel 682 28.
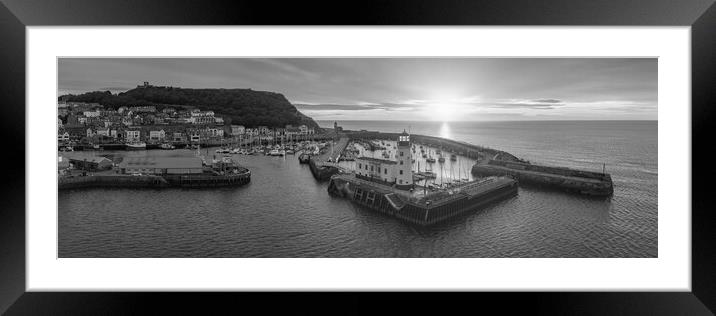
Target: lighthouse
pixel 404 176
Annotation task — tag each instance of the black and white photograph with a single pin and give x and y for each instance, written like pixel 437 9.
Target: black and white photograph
pixel 357 157
pixel 308 157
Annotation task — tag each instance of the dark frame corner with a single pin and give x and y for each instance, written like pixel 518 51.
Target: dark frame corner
pixel 15 15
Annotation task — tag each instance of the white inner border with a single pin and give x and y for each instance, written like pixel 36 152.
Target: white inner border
pixel 671 271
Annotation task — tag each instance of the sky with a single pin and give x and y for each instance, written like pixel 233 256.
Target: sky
pixel 435 89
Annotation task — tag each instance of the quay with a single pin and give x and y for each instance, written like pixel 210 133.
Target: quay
pixel 154 172
pixel 325 164
pixel 152 181
pixel 570 180
pixel 422 208
pixel 388 186
pixel 206 143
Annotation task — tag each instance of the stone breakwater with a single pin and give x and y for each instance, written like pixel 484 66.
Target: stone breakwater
pixel 570 180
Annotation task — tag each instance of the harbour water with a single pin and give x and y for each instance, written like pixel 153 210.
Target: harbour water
pixel 285 212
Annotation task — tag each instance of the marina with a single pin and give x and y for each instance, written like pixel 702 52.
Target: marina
pixel 307 219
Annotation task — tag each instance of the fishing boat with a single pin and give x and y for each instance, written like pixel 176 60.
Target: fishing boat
pixel 274 152
pixel 136 146
pixel 166 146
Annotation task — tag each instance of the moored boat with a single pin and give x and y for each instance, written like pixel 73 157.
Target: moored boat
pixel 136 146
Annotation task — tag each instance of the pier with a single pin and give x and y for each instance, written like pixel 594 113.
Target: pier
pixel 570 180
pixel 422 208
pixel 325 164
pixel 153 181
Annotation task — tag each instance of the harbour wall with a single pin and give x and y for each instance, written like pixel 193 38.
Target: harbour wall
pixel 153 181
pixel 570 180
pixel 466 149
pixel 384 201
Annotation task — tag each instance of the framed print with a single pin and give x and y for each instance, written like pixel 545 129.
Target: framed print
pixel 474 148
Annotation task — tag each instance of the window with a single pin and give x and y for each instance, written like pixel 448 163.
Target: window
pixel 360 166
pixel 371 168
pixel 401 162
pixel 400 181
pixel 401 154
pixel 385 171
pixel 401 171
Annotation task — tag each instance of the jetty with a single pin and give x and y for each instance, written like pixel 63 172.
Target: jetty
pixel 157 172
pixel 418 206
pixel 570 180
pixel 325 164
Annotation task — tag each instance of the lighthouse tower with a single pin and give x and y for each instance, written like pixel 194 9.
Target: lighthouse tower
pixel 404 174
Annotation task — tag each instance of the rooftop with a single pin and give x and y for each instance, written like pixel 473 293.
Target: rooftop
pixel 91 159
pixel 161 162
pixel 385 161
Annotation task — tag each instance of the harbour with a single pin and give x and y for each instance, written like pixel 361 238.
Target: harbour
pixel 305 202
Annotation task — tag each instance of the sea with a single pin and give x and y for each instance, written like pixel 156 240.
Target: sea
pixel 284 212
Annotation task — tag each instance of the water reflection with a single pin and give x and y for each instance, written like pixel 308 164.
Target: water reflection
pixel 445 130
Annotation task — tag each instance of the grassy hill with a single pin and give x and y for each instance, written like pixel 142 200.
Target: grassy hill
pixel 241 106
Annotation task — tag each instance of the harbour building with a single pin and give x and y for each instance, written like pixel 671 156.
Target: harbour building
pixel 161 165
pixel 397 173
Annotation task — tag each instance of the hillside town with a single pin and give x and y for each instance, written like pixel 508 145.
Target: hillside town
pixel 92 124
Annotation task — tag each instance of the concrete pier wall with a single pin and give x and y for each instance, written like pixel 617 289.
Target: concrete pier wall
pixel 152 181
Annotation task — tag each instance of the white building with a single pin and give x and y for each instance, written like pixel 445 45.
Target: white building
pixel 215 132
pixel 103 132
pixel 91 113
pixel 393 172
pixel 63 136
pixel 376 169
pixel 132 135
pixel 237 130
pixel 157 135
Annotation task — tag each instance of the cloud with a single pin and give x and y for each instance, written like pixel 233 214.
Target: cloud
pixel 547 101
pixel 539 104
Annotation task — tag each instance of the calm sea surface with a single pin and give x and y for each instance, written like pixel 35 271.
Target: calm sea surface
pixel 284 212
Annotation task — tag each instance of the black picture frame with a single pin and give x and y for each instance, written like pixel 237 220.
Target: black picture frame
pixel 700 15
